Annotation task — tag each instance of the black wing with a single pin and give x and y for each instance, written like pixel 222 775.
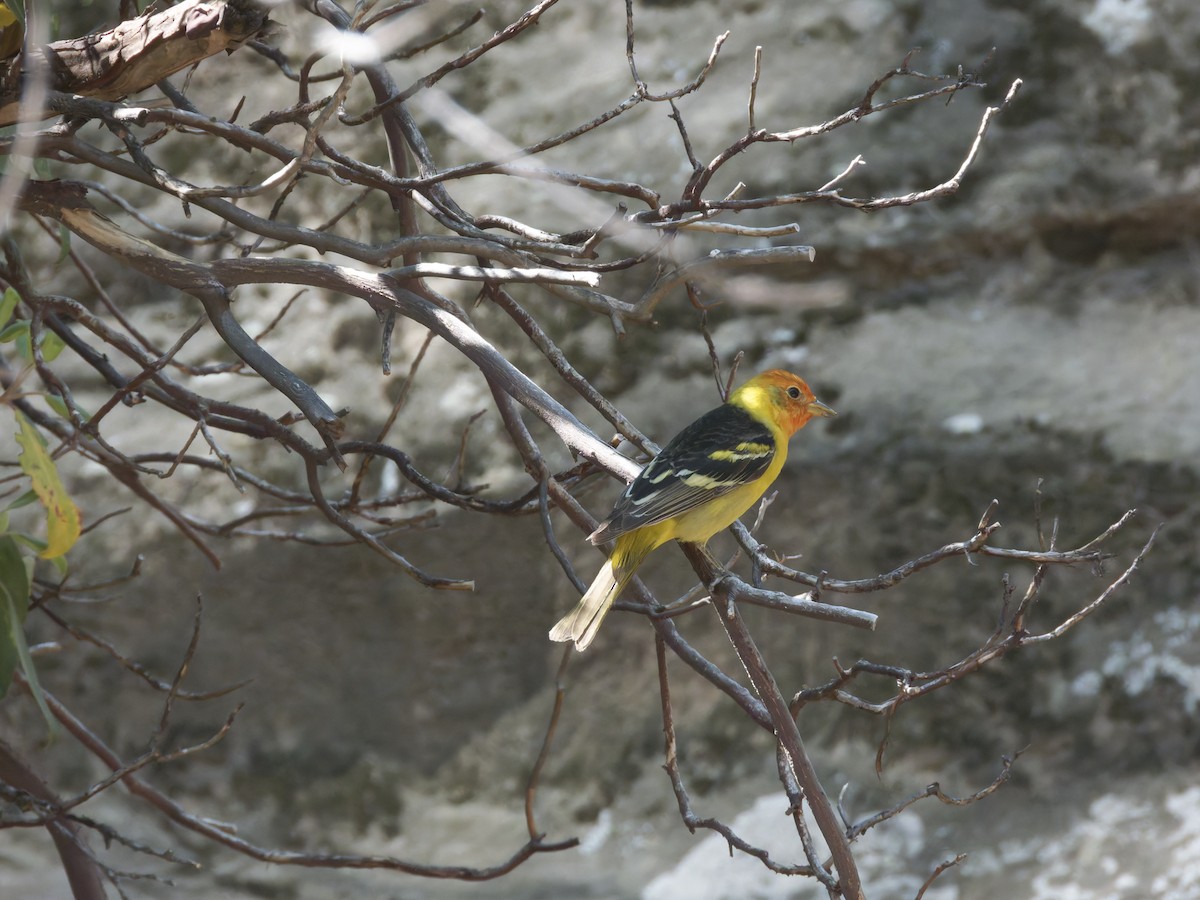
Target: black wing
pixel 722 450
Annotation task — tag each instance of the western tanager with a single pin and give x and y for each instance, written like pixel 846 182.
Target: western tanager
pixel 708 475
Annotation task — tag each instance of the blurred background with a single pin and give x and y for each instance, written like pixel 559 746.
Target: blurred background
pixel 1034 338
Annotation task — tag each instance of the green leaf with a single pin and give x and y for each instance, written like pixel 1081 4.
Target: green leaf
pixel 24 500
pixel 60 564
pixel 13 331
pixel 8 303
pixel 4 522
pixel 18 332
pixel 37 545
pixel 59 405
pixel 14 603
pixel 14 576
pixel 64 244
pixel 35 686
pixel 62 516
pixel 52 345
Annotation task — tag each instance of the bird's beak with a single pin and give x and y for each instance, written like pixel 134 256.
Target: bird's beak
pixel 817 408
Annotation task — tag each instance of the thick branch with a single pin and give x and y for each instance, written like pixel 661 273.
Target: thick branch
pixel 82 872
pixel 135 55
pixel 786 732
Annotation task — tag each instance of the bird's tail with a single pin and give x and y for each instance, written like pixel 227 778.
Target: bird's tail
pixel 581 624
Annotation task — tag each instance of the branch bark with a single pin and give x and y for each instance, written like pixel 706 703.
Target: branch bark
pixel 134 55
pixel 786 732
pixel 81 870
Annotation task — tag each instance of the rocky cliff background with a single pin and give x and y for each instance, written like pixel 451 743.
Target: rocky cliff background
pixel 1041 326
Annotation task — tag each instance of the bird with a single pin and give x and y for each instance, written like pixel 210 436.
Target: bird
pixel 701 482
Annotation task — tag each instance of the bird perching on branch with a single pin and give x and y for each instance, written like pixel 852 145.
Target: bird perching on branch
pixel 702 481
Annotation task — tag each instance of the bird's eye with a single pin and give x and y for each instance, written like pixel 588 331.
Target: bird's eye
pixel 794 392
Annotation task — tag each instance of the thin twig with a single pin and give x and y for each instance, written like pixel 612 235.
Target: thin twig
pixel 560 691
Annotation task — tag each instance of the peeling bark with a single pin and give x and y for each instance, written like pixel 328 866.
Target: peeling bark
pixel 134 55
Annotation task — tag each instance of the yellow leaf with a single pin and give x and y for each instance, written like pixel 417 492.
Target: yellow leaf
pixel 12 32
pixel 62 517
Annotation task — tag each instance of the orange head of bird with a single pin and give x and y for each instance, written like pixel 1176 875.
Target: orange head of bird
pixel 787 396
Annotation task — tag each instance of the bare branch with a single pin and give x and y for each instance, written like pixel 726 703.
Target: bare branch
pixel 80 867
pixel 227 837
pixel 784 725
pixel 690 819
